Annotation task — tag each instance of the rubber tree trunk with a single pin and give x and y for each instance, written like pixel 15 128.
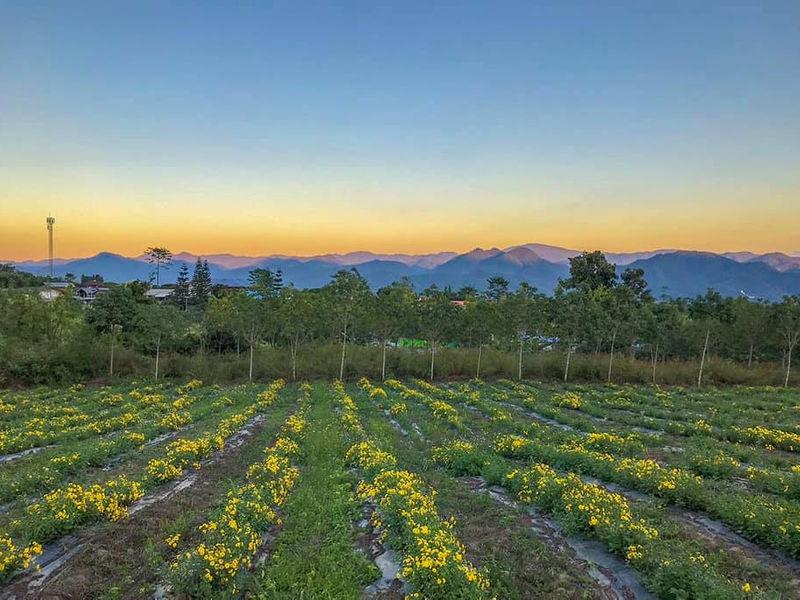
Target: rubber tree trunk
pixel 433 356
pixel 566 366
pixel 293 347
pixel 655 361
pixel 478 370
pixel 252 344
pixel 750 356
pixel 519 364
pixel 344 344
pixel 611 356
pixel 788 368
pixel 111 364
pixel 703 358
pixel 383 362
pixel 250 373
pixel 158 354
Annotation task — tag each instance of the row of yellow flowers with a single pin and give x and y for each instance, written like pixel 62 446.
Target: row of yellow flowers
pixel 766 520
pixel 348 412
pixel 56 423
pixel 379 394
pixel 673 571
pixel 711 425
pixel 34 477
pixel 608 516
pixel 64 509
pixel 434 559
pixel 233 535
pixel 769 438
pixel 441 409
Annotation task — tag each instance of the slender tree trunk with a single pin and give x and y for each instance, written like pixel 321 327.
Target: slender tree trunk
pixel 252 343
pixel 237 346
pixel 655 361
pixel 478 370
pixel 611 355
pixel 519 364
pixel 111 365
pixel 158 353
pixel 433 355
pixel 383 362
pixel 293 345
pixel 566 367
pixel 344 343
pixel 788 367
pixel 750 356
pixel 703 358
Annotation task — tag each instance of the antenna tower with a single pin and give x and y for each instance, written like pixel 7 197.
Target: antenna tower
pixel 50 222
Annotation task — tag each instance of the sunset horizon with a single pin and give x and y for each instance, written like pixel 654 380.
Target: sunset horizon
pixel 589 125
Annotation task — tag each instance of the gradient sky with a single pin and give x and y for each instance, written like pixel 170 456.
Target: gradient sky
pixel 294 127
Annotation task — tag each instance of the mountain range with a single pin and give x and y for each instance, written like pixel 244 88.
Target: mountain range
pixel 670 272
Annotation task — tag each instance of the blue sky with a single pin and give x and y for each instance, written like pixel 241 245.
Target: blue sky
pixel 270 127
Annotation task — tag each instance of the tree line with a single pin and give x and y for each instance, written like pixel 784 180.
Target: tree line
pixel 592 312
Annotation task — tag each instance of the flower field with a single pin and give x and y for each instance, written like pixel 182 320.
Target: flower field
pixel 399 489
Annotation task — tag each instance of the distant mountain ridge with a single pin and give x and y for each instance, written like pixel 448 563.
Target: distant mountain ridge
pixel 669 272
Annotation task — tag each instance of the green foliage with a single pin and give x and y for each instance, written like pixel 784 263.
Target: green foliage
pixel 200 286
pixel 11 278
pixel 590 270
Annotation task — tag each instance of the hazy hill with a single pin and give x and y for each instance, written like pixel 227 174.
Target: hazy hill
pixel 691 273
pixel 674 273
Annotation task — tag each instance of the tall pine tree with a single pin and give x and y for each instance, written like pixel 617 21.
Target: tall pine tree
pixel 201 283
pixel 180 296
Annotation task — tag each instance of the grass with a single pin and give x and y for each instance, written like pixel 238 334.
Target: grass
pixel 314 555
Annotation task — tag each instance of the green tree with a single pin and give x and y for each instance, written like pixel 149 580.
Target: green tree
pixel 752 324
pixel 115 313
pixel 249 315
pixel 633 280
pixel 479 320
pixel 660 322
pixel 161 258
pixel 392 313
pixel 348 294
pixel 709 311
pixel 621 304
pixel 590 270
pixel 265 283
pixel 437 319
pixel 182 294
pixel 525 312
pixel 497 288
pixel 11 278
pixel 159 326
pixel 297 312
pixel 572 313
pixel 787 319
pixel 201 283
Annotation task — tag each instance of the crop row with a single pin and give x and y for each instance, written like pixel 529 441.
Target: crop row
pixel 233 534
pixel 434 560
pixel 66 508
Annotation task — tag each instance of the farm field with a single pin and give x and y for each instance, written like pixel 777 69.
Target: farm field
pixel 399 489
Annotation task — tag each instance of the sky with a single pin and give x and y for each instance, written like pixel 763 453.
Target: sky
pixel 300 128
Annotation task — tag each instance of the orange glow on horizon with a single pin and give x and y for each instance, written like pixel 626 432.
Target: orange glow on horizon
pixel 25 238
pixel 260 221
